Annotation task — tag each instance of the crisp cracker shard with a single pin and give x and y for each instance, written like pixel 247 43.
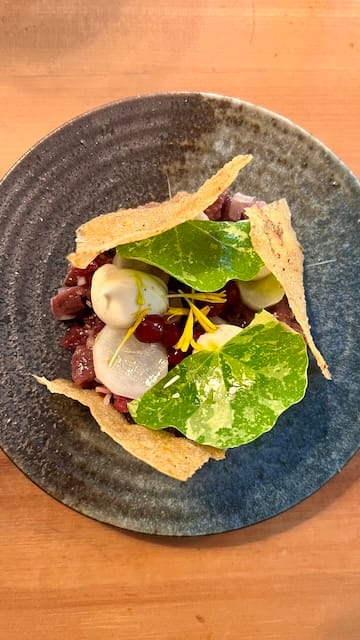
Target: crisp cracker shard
pixel 275 241
pixel 129 225
pixel 175 457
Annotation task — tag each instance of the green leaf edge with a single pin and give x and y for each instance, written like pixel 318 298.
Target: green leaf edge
pixel 127 251
pixel 257 320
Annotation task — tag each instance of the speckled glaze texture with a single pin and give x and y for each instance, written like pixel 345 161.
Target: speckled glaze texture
pixel 119 156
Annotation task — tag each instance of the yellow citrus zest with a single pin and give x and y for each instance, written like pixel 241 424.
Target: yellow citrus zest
pixel 129 333
pixel 187 335
pixel 196 346
pixel 172 312
pixel 201 317
pixel 213 298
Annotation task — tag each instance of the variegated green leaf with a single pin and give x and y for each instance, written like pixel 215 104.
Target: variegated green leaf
pixel 234 394
pixel 189 252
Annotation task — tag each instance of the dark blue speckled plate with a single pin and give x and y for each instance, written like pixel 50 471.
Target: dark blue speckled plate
pixel 120 155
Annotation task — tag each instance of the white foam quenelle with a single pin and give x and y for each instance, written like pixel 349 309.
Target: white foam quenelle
pixel 118 295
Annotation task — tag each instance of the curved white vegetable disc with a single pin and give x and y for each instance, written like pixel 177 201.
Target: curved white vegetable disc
pixel 259 294
pixel 137 368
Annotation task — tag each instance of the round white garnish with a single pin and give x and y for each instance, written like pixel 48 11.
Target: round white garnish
pixel 137 367
pixel 224 333
pixel 118 295
pixel 259 294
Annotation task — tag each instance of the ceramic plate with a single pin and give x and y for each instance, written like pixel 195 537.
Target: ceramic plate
pixel 122 155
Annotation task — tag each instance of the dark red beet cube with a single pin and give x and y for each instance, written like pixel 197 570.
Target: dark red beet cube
pixel 82 366
pixel 74 336
pixel 121 403
pixel 214 212
pixel 93 324
pixel 79 333
pixel 69 303
pixel 85 275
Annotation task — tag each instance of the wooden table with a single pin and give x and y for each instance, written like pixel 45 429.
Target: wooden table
pixel 296 577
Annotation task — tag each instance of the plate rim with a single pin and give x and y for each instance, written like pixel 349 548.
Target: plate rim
pixel 205 94
pixel 213 96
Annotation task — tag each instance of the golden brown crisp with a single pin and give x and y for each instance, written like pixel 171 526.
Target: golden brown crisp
pixel 129 225
pixel 275 241
pixel 178 458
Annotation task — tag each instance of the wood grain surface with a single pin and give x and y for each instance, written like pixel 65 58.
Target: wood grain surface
pixel 63 576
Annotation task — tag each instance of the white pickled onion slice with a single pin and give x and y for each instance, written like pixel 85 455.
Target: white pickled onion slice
pixel 137 368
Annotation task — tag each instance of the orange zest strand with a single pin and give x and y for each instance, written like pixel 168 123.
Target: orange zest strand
pixel 187 335
pixel 129 333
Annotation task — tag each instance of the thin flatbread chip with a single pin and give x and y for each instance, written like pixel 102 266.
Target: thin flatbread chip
pixel 275 241
pixel 176 457
pixel 129 225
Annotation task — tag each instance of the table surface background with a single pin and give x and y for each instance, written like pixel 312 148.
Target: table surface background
pixel 63 576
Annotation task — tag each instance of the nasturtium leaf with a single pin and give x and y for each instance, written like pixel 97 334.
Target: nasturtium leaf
pixel 189 252
pixel 234 394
